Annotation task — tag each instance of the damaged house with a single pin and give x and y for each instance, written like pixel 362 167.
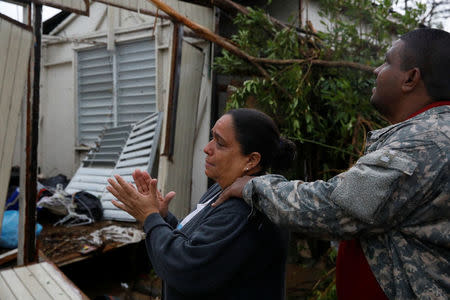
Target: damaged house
pixel 124 87
pixel 115 68
pixel 120 64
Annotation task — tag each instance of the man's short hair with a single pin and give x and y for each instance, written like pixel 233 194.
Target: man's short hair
pixel 429 50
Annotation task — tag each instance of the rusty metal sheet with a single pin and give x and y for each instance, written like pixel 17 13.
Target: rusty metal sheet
pixel 15 50
pixel 80 7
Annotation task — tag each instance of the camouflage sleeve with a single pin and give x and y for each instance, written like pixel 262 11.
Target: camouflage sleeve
pixel 370 197
pixel 300 206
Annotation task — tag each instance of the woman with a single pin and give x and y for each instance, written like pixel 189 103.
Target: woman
pixel 224 252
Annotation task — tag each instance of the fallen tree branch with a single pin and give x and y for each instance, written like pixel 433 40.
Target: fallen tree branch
pixel 231 6
pixel 217 39
pixel 205 33
pixel 317 62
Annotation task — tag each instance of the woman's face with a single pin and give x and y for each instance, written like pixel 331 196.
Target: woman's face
pixel 224 161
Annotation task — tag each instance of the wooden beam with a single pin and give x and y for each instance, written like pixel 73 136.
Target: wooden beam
pixel 29 251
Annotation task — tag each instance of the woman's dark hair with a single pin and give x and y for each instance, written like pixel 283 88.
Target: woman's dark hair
pixel 257 132
pixel 429 50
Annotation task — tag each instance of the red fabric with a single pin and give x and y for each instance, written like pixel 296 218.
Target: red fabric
pixel 354 278
pixel 434 104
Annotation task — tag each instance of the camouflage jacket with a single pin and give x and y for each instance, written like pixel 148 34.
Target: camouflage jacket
pixel 395 200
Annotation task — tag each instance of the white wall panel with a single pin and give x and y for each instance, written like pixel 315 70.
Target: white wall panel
pixel 199 14
pixel 77 6
pixel 15 51
pixel 176 175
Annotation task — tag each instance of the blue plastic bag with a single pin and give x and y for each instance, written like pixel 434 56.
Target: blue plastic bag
pixel 10 229
pixel 12 203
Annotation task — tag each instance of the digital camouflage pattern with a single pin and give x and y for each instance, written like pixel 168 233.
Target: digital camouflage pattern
pixel 395 200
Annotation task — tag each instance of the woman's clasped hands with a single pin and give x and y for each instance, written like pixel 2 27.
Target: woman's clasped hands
pixel 142 200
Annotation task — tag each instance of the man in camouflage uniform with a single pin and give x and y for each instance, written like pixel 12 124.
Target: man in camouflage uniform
pixel 395 199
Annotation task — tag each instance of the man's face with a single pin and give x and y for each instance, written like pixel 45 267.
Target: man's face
pixel 387 93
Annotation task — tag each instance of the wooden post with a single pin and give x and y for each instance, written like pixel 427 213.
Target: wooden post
pixel 24 134
pixel 30 253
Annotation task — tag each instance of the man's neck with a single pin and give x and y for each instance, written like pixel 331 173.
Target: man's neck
pixel 410 106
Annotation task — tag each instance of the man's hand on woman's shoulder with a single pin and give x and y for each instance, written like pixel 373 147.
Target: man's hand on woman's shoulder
pixel 234 190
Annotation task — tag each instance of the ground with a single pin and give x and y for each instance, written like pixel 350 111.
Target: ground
pixel 113 269
pixel 124 271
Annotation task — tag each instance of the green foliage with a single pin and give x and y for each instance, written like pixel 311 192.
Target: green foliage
pixel 325 110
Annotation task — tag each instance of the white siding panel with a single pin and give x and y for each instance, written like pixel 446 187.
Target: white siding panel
pixel 67 286
pixel 130 4
pixel 5 291
pixel 32 283
pixel 78 6
pixel 14 52
pixel 37 281
pixel 179 171
pixel 47 282
pixel 197 13
pixel 16 285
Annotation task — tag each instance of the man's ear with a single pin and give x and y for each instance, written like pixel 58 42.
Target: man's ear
pixel 412 79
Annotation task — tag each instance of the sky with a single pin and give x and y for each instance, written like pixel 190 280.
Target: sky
pixel 399 7
pixel 15 12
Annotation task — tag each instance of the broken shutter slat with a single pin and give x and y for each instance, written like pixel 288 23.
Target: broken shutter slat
pixel 95 169
pixel 138 153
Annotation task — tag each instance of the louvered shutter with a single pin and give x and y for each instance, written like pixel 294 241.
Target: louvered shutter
pixel 136 81
pixel 134 87
pixel 95 94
